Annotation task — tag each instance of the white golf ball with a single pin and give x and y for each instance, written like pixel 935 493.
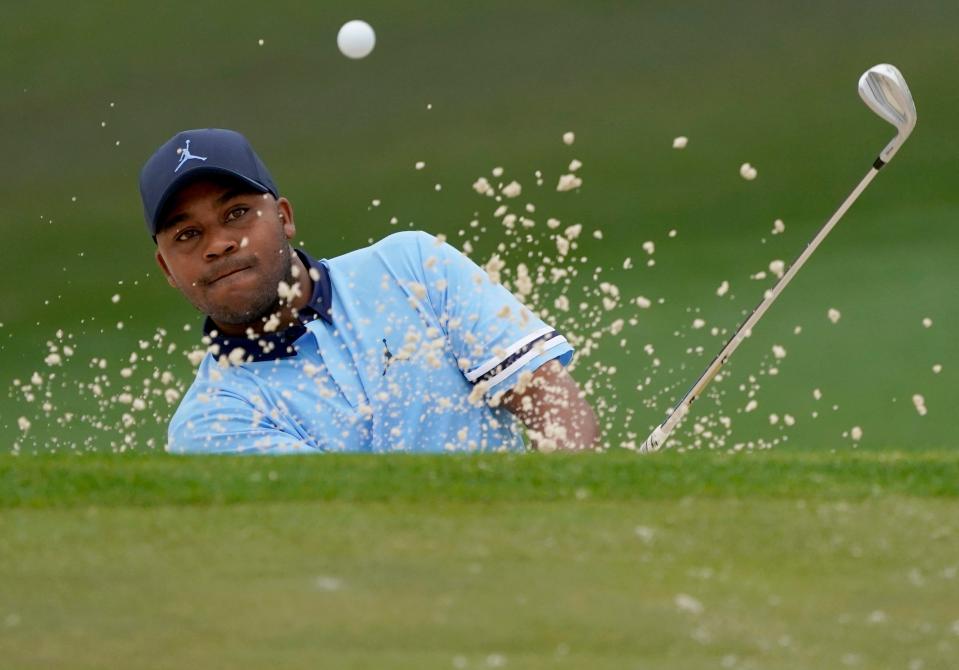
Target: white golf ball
pixel 356 39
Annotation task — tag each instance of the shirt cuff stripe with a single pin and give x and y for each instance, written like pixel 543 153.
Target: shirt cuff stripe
pixel 526 358
pixel 516 361
pixel 515 348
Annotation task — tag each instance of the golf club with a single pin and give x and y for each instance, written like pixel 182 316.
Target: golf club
pixel 884 90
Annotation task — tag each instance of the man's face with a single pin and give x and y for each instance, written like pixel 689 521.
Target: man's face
pixel 226 248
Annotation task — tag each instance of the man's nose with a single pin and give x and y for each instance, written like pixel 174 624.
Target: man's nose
pixel 221 243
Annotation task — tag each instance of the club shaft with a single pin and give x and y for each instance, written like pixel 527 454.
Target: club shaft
pixel 659 435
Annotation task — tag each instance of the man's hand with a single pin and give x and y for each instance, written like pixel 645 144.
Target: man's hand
pixel 554 410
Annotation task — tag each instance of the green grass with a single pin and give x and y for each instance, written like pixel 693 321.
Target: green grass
pixel 797 560
pixel 158 480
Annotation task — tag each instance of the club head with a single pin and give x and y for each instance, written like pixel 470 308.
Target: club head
pixel 884 90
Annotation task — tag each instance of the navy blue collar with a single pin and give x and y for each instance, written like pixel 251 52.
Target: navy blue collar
pixel 270 346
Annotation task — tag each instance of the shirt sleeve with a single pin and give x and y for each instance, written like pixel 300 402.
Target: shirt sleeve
pixel 494 337
pixel 224 423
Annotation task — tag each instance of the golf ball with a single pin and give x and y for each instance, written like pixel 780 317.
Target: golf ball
pixel 356 39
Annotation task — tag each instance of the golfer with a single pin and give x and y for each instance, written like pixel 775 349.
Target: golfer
pixel 405 345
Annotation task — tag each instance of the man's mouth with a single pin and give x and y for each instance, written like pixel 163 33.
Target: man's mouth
pixel 229 273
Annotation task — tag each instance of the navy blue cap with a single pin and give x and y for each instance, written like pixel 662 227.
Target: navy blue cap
pixel 194 153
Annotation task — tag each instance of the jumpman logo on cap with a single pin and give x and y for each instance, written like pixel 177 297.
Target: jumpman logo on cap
pixel 185 155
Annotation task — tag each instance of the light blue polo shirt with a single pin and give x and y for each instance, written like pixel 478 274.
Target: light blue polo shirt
pixel 401 348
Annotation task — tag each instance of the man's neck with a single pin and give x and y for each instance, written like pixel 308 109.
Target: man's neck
pixel 287 314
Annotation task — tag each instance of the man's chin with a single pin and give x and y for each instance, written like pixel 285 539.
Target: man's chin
pixel 244 316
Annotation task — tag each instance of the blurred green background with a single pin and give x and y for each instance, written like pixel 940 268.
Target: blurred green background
pixel 89 90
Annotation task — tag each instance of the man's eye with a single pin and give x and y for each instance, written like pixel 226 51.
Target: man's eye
pixel 236 213
pixel 186 235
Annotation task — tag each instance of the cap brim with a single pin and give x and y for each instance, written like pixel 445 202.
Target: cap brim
pixel 197 173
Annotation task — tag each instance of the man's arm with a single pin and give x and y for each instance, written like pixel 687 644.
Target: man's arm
pixel 505 350
pixel 225 423
pixel 554 410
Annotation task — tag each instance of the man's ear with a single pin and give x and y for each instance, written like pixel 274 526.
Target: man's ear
pixel 166 271
pixel 285 212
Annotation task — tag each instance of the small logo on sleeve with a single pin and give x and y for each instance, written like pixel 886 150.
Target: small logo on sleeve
pixel 387 356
